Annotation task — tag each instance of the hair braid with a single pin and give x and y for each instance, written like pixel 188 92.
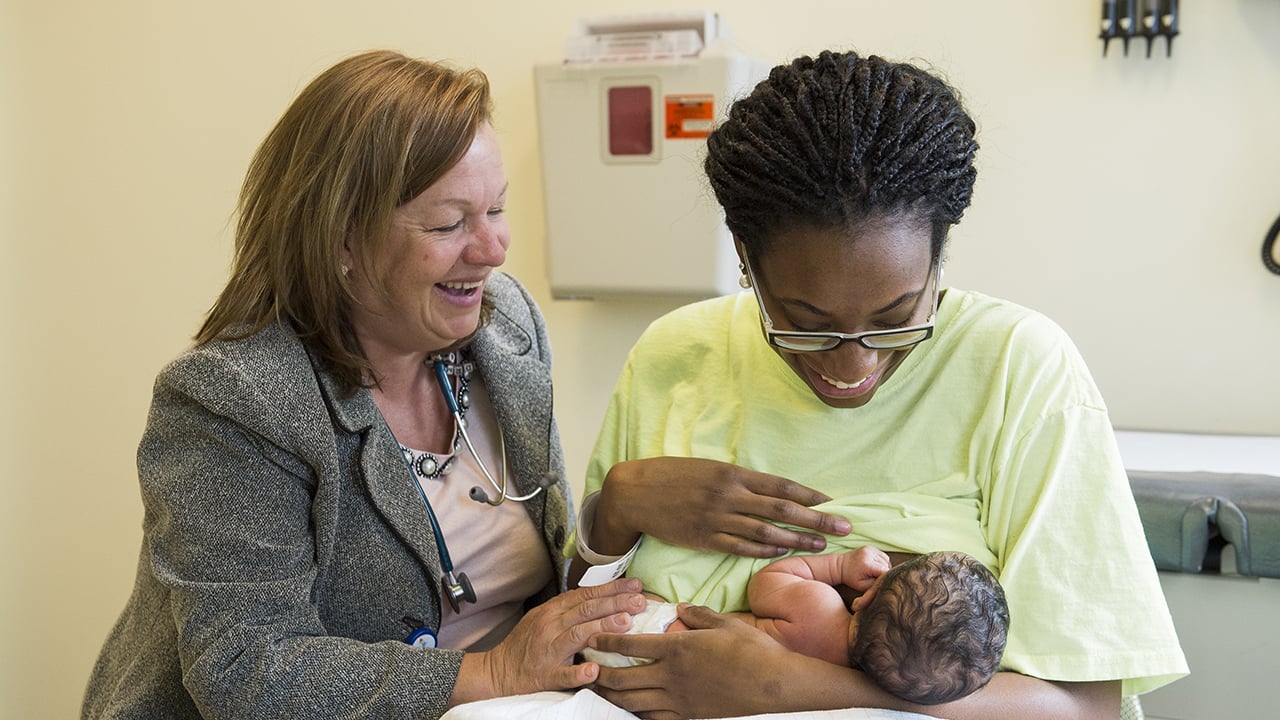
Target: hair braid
pixel 832 140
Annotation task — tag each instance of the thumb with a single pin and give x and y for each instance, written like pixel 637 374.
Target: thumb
pixel 698 617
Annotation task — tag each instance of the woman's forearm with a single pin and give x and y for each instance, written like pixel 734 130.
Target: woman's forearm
pixel 755 674
pixel 1009 696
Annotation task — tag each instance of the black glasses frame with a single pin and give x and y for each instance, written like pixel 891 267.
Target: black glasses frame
pixel 871 339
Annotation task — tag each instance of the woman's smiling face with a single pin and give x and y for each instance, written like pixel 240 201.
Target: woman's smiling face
pixel 875 275
pixel 440 250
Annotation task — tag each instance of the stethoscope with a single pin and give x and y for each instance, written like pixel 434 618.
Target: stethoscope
pixel 456 586
pixel 477 493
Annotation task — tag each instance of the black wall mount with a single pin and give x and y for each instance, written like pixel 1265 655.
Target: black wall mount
pixel 1148 19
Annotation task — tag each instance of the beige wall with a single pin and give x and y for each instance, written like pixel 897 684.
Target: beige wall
pixel 1125 197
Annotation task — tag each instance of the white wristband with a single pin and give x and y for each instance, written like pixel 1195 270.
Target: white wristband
pixel 603 567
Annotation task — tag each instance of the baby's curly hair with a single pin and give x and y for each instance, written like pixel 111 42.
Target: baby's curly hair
pixel 834 140
pixel 935 630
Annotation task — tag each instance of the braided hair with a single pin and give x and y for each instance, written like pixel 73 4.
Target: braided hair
pixel 836 140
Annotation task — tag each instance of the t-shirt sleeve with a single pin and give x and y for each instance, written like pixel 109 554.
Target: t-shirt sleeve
pixel 1085 601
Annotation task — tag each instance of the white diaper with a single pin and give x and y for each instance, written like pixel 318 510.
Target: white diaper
pixel 655 618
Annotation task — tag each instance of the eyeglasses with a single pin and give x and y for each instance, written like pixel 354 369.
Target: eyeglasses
pixel 894 339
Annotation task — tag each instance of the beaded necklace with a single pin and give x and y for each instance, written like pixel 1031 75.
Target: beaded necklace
pixel 427 466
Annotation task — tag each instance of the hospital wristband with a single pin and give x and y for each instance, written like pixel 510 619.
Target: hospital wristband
pixel 603 567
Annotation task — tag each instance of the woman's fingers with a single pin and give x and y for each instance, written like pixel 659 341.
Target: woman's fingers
pixel 611 589
pixel 641 645
pixel 756 537
pixel 710 505
pixel 700 617
pixel 643 702
pixel 538 654
pixel 591 603
pixel 779 500
pixel 574 676
pixel 677 682
pixel 656 646
pixel 779 487
pixel 584 612
pixel 578 636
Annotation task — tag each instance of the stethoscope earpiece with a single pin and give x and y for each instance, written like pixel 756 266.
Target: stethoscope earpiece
pixel 478 494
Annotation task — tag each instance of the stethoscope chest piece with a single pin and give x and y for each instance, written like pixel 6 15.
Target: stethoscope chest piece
pixel 457 588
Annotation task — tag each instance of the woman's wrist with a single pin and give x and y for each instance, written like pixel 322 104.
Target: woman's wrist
pixel 586 524
pixel 475 680
pixel 603 568
pixel 610 534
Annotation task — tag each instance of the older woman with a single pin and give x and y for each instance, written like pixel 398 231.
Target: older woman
pixel 353 482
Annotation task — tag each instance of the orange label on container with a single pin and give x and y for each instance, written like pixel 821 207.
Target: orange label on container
pixel 690 116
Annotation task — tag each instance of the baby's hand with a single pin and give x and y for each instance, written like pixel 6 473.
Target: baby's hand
pixel 860 568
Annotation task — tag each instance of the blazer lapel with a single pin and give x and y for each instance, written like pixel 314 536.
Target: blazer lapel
pixel 380 470
pixel 521 392
pixel 520 389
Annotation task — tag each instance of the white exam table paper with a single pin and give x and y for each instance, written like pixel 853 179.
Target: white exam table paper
pixel 586 705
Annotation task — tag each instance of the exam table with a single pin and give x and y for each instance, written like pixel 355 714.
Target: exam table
pixel 1210 507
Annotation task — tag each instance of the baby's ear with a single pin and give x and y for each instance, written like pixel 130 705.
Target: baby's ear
pixel 866 597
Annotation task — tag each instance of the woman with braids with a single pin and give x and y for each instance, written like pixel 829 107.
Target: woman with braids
pixel 740 423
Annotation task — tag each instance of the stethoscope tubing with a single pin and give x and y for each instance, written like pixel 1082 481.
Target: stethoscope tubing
pixel 457 588
pixel 446 389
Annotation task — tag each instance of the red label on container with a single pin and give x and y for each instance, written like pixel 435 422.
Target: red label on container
pixel 690 116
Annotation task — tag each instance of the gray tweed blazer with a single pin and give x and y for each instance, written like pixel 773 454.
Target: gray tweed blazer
pixel 286 553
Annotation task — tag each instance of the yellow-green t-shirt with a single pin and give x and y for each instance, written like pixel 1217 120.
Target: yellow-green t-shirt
pixel 991 438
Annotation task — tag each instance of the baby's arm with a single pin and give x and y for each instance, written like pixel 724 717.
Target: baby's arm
pixel 857 569
pixel 796 602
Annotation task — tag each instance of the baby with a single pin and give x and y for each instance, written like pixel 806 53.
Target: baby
pixel 930 630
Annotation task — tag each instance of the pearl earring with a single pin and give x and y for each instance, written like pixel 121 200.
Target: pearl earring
pixel 744 282
pixel 345 271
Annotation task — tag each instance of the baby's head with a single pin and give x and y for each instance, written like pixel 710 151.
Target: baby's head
pixel 935 629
